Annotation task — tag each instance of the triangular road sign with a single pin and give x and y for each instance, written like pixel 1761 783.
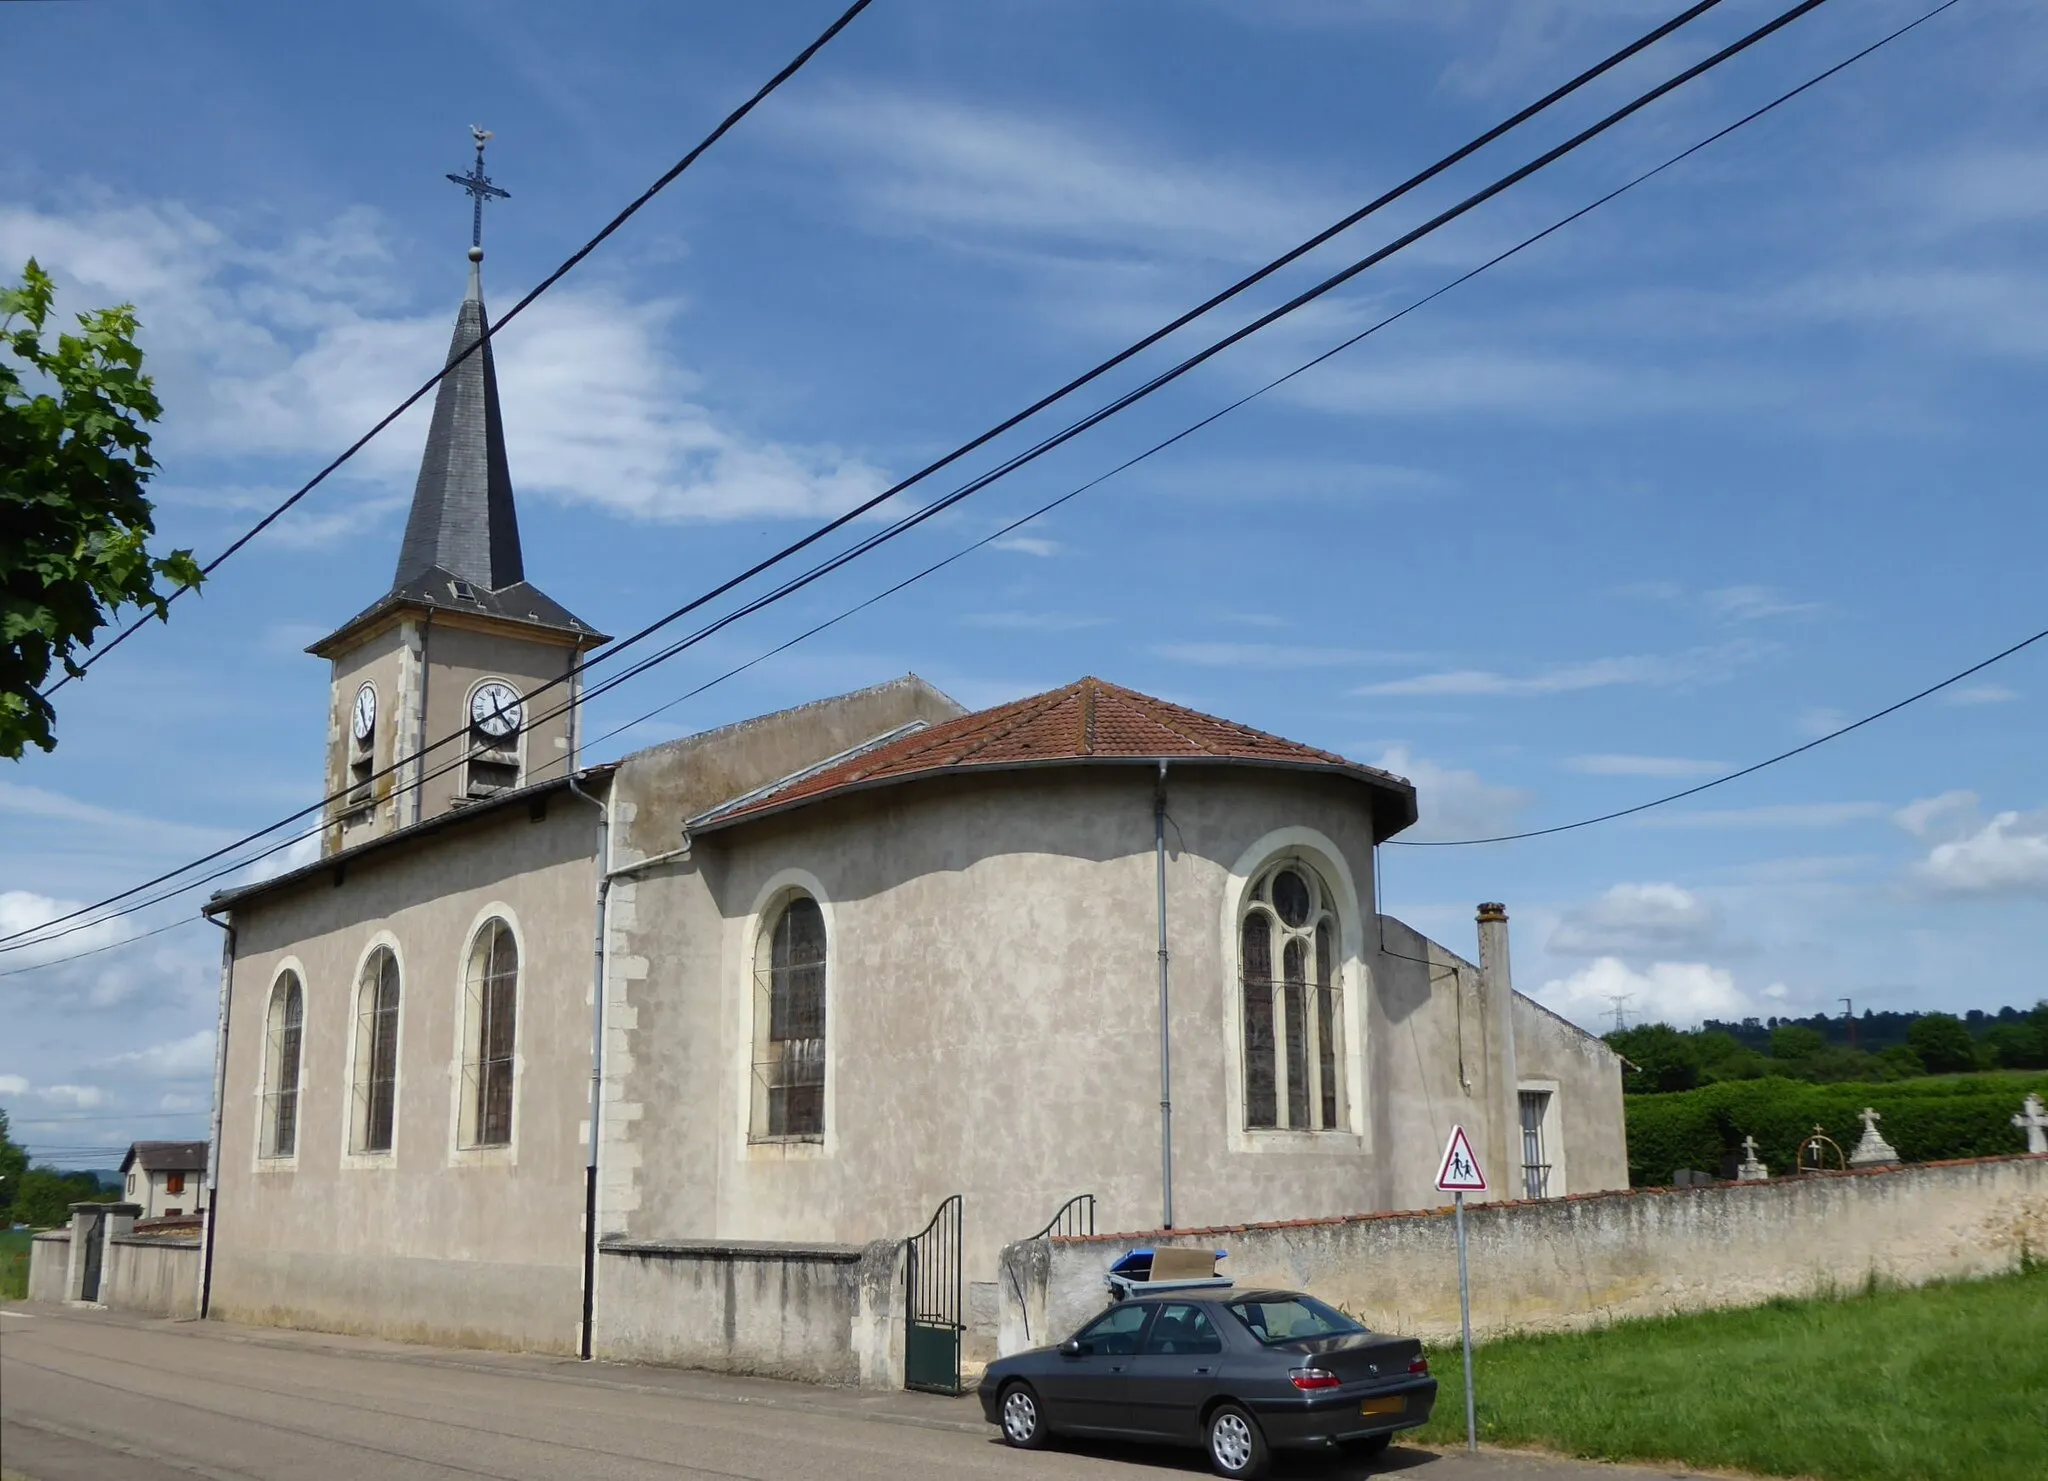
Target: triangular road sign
pixel 1459 1172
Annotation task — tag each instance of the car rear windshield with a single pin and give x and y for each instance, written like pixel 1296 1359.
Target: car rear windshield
pixel 1292 1318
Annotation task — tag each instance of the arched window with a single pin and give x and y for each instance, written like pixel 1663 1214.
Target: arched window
pixel 789 1024
pixel 1291 1016
pixel 376 1062
pixel 285 1034
pixel 490 1016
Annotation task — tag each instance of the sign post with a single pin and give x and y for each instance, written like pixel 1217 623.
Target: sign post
pixel 1457 1175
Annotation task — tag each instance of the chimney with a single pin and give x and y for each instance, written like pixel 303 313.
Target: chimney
pixel 1497 993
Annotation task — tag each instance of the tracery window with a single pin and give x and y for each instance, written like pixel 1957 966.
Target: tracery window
pixel 1287 938
pixel 285 1033
pixel 490 1018
pixel 376 1057
pixel 789 1024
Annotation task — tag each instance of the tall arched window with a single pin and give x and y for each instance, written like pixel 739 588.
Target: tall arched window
pixel 376 1061
pixel 490 1016
pixel 789 1024
pixel 285 1033
pixel 1291 1016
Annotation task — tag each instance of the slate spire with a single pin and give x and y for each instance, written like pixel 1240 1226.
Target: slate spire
pixel 463 521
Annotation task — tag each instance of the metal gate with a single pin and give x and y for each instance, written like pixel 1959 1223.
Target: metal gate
pixel 95 1246
pixel 1076 1219
pixel 933 1325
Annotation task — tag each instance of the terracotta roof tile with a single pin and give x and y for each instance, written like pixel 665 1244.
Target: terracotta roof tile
pixel 1086 721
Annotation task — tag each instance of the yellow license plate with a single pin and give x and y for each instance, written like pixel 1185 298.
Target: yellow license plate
pixel 1376 1407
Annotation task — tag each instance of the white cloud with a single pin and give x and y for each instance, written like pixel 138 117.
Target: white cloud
pixel 1780 815
pixel 24 910
pixel 1653 670
pixel 1040 622
pixel 135 830
pixel 1753 604
pixel 1680 993
pixel 1273 655
pixel 300 852
pixel 179 1059
pixel 1980 694
pixel 297 349
pixel 2006 856
pixel 1652 766
pixel 1027 545
pixel 1949 815
pixel 62 1097
pixel 1638 920
pixel 1454 803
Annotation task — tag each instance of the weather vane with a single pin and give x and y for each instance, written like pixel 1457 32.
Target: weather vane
pixel 479 188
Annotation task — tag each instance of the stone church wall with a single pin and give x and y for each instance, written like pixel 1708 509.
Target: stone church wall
pixel 1581 1261
pixel 431 1241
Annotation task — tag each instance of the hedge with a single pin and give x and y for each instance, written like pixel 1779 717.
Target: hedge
pixel 1927 1120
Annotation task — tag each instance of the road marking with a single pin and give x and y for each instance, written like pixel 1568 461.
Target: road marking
pixel 26 1316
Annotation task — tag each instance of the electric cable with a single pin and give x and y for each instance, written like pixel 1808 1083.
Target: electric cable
pixel 725 126
pixel 836 561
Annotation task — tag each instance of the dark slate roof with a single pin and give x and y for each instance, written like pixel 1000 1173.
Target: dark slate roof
pixel 461 548
pixel 166 1156
pixel 1086 722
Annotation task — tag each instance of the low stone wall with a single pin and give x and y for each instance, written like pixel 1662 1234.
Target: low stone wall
pixel 158 1276
pixel 1582 1261
pixel 49 1265
pixel 818 1313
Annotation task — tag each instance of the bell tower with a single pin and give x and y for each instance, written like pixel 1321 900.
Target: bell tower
pixel 436 697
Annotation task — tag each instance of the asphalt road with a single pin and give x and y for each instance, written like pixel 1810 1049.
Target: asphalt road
pixel 96 1396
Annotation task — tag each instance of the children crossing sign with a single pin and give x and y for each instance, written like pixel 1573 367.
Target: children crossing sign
pixel 1459 1172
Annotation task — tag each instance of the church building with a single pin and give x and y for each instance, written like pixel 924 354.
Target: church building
pixel 801 980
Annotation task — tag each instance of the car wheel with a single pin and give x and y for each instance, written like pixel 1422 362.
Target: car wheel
pixel 1236 1448
pixel 1023 1420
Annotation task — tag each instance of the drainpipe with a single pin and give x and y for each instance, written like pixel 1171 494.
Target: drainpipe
pixel 419 767
pixel 1165 1023
pixel 604 885
pixel 220 1090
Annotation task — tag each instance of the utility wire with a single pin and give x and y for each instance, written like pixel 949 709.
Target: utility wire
pixel 185 920
pixel 725 126
pixel 1720 781
pixel 1471 202
pixel 1556 94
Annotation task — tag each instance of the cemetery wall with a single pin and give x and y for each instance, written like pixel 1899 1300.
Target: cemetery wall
pixel 1582 1261
pixel 49 1265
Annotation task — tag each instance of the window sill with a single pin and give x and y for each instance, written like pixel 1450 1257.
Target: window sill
pixel 498 1155
pixel 368 1161
pixel 1267 1139
pixel 784 1149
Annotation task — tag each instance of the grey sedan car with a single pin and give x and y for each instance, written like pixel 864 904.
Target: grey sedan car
pixel 1238 1372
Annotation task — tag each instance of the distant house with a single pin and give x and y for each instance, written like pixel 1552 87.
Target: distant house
pixel 167 1178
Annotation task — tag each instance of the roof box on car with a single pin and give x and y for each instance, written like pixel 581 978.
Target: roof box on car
pixel 1166 1268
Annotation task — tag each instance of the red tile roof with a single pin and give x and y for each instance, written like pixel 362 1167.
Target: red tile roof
pixel 1086 722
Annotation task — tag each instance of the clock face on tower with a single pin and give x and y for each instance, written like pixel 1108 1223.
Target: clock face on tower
pixel 363 716
pixel 495 710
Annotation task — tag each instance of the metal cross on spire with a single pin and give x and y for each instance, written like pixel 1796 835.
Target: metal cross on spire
pixel 478 185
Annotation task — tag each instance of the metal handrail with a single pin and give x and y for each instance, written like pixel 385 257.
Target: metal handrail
pixel 1069 1222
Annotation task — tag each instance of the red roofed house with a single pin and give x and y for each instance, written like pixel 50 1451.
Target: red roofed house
pixel 855 958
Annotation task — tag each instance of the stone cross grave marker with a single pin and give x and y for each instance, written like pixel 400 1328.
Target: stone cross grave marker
pixel 2034 1122
pixel 1872 1150
pixel 1751 1171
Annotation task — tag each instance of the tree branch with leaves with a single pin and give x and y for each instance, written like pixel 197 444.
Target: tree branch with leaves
pixel 75 525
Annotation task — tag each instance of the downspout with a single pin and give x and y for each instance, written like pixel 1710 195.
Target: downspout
pixel 220 1090
pixel 419 767
pixel 1165 1023
pixel 604 885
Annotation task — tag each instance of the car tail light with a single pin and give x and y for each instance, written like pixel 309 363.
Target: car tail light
pixel 1418 1365
pixel 1313 1378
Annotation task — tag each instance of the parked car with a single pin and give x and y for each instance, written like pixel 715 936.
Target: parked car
pixel 1240 1373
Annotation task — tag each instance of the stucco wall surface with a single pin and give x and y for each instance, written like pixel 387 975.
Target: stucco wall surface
pixel 431 1241
pixel 802 1312
pixel 158 1276
pixel 1581 1261
pixel 49 1265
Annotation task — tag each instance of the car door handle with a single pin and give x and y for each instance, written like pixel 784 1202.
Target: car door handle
pixel 1201 1370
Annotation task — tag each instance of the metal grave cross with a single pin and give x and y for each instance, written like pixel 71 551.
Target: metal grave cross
pixel 478 186
pixel 2034 1122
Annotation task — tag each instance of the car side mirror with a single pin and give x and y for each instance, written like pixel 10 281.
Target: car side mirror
pixel 1073 1347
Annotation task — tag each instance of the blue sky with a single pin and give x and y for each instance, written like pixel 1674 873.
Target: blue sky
pixel 1756 447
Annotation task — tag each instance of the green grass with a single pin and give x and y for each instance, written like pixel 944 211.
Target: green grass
pixel 14 1263
pixel 1947 1383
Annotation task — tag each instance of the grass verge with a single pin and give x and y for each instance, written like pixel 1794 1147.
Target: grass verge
pixel 14 1245
pixel 1946 1383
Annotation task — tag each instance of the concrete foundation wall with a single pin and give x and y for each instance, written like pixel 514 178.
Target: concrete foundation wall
pixel 451 1303
pixel 49 1265
pixel 1581 1261
pixel 157 1276
pixel 813 1313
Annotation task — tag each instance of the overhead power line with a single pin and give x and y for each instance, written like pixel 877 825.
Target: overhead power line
pixel 14 942
pixel 725 126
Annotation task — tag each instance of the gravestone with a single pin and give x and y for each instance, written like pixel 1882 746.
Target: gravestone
pixel 2034 1122
pixel 1872 1150
pixel 1751 1171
